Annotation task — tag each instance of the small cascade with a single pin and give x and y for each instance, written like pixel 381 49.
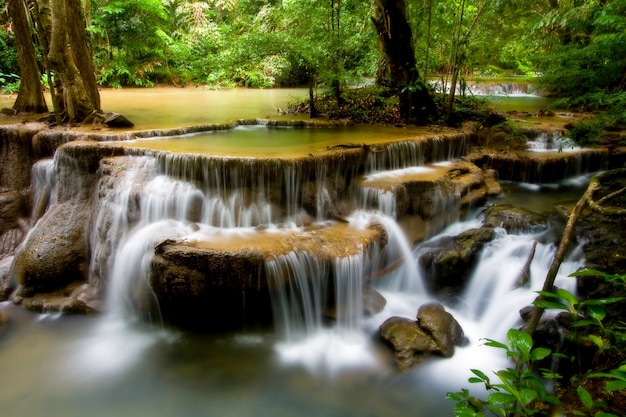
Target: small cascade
pixel 493 297
pixel 489 88
pixel 550 142
pixel 299 300
pixel 407 154
pixel 43 184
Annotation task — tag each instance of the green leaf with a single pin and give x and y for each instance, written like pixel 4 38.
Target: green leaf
pixel 495 344
pixel 585 323
pixel 585 397
pixel 466 410
pixel 539 353
pixel 503 398
pixel 454 396
pixel 603 301
pixel 480 374
pixel 603 414
pixel 596 340
pixel 547 304
pixel 596 312
pixel 587 272
pixel 520 340
pixel 526 396
pixel 615 385
pixel 567 296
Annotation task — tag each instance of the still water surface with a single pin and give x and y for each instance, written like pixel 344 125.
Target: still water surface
pixel 167 107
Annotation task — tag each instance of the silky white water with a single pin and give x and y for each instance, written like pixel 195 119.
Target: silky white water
pixel 117 364
pixel 99 366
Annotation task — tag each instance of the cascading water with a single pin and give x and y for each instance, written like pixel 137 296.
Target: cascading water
pixel 305 287
pixel 111 364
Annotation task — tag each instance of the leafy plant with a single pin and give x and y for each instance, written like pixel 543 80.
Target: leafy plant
pixel 10 83
pixel 616 378
pixel 518 391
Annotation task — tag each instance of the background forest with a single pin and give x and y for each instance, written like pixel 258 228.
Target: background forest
pixel 577 46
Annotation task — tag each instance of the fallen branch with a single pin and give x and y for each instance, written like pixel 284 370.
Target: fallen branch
pixel 585 200
pixel 367 148
pixel 524 276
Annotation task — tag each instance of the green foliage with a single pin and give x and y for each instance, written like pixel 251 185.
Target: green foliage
pixel 587 63
pixel 129 41
pixel 9 83
pixel 518 391
pixel 616 378
pixel 8 58
pixel 584 131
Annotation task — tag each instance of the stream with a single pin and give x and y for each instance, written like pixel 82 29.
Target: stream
pixel 115 364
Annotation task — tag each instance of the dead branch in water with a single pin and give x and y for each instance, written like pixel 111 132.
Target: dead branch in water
pixel 524 276
pixel 587 200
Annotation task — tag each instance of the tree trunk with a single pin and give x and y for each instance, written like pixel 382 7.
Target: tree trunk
pixel 30 98
pixel 313 113
pixel 394 33
pixel 70 60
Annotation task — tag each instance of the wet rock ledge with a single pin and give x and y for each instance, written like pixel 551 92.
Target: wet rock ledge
pixel 205 283
pixel 63 263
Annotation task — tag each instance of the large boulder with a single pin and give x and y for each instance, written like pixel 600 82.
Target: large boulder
pixel 56 252
pixel 435 332
pixel 226 282
pixel 410 343
pixel 442 327
pixel 449 262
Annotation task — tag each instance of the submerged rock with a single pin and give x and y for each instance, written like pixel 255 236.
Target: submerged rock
pixel 435 332
pixel 514 219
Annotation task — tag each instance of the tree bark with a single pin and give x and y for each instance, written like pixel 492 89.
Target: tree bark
pixel 70 60
pixel 30 98
pixel 394 33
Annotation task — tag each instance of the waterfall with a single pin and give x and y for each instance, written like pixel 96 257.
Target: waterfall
pixel 318 301
pixel 43 183
pixel 300 282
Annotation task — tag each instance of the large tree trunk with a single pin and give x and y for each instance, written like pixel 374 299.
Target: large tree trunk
pixel 394 33
pixel 30 98
pixel 70 60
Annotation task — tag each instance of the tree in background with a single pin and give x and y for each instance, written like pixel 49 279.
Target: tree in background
pixel 60 29
pixel 394 32
pixel 30 98
pixel 76 93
